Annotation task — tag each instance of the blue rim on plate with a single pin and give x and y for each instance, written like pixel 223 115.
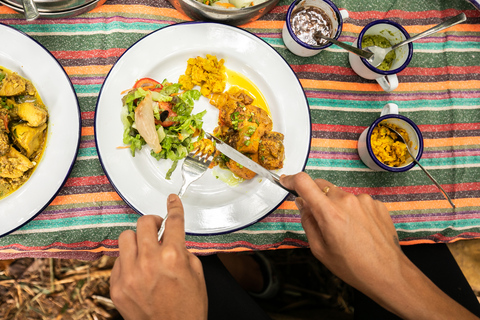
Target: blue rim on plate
pixel 39 193
pixel 115 80
pixel 374 157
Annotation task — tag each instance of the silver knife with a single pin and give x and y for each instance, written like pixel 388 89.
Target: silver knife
pixel 245 161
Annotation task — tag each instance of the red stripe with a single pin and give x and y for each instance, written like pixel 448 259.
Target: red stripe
pixel 407 71
pixel 450 127
pixel 85 181
pixel 311 93
pixel 430 218
pixel 243 244
pixel 423 128
pixel 440 71
pixel 75 245
pixel 336 128
pixel 115 52
pixel 363 15
pixel 456 154
pixel 323 69
pixel 88 115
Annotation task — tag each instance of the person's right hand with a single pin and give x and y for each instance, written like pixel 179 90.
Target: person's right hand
pixel 354 237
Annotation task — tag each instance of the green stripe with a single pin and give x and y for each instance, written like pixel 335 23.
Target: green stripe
pixel 86 168
pixel 87 152
pixel 419 117
pixel 403 105
pixel 80 221
pixel 89 27
pixel 87 103
pixel 436 211
pixel 92 235
pixel 67 207
pixel 438 224
pixel 377 179
pixel 88 42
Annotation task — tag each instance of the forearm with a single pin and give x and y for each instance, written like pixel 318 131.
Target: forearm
pixel 411 295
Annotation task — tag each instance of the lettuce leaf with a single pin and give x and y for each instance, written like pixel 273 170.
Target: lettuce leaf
pixel 176 140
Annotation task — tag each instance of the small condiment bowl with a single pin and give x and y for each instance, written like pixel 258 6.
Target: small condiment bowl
pixel 297 46
pixel 394 33
pixel 390 115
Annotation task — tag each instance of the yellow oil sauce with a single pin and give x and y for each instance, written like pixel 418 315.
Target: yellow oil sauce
pixel 237 79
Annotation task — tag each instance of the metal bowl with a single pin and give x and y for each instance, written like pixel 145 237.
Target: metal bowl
pixel 56 8
pixel 199 11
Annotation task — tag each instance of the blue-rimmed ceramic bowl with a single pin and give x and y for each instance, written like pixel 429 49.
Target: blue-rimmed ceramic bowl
pixel 365 147
pixel 301 48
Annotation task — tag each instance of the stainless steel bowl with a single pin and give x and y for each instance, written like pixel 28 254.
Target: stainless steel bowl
pixel 56 8
pixel 199 11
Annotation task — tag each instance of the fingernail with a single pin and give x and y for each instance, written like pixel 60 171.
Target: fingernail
pixel 171 198
pixel 299 202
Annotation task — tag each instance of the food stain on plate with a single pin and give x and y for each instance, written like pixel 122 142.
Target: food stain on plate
pixel 237 79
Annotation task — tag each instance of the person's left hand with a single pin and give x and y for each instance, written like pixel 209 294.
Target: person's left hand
pixel 152 280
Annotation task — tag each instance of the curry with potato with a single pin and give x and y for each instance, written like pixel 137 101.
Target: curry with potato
pixel 23 129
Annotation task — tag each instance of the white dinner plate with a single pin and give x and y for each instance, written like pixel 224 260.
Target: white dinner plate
pixel 31 60
pixel 211 205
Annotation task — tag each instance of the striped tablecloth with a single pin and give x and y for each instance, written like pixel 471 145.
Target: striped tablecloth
pixel 440 91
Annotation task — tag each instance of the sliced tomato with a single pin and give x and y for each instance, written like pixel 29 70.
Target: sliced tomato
pixel 148 84
pixel 166 115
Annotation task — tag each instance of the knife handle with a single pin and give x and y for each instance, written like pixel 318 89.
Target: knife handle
pixel 276 179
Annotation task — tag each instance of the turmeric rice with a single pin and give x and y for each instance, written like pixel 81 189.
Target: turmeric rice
pixel 208 74
pixel 386 148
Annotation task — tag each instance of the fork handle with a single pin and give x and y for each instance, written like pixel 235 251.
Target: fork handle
pixel 183 189
pixel 162 228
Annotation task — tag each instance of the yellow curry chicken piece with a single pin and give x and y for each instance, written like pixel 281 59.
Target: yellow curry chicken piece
pixel 387 148
pixel 23 129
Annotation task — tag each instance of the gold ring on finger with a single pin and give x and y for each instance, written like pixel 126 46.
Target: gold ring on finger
pixel 326 189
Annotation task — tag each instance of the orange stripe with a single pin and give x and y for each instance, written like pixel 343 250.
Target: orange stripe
pixel 434 204
pixel 88 131
pixel 347 27
pixel 141 9
pixel 458 28
pixel 407 87
pixel 420 241
pixel 332 143
pixel 288 205
pixel 87 197
pixel 264 25
pixel 102 70
pixel 203 251
pixel 6 10
pixel 457 141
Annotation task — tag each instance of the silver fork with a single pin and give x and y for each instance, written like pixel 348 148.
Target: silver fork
pixel 194 166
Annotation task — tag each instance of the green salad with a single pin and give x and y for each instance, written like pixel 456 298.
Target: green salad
pixel 160 115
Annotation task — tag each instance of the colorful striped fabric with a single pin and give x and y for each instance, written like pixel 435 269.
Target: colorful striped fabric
pixel 440 91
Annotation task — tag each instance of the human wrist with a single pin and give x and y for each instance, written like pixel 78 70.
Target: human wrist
pixel 410 294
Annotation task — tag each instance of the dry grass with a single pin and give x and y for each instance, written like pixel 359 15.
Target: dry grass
pixel 56 289
pixel 72 289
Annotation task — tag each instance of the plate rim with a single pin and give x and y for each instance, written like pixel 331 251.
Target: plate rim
pixel 72 163
pixel 238 29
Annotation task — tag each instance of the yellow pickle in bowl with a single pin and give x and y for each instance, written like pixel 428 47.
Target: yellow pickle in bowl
pixel 386 146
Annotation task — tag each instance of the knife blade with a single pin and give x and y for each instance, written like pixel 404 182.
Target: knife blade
pixel 245 161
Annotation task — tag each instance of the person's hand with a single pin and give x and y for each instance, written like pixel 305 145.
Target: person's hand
pixel 354 237
pixel 152 280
